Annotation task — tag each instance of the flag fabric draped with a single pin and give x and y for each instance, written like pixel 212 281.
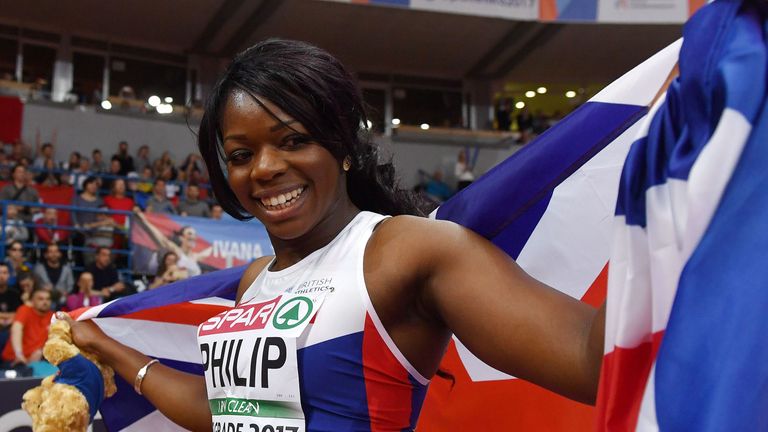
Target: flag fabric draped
pixel 686 289
pixel 558 195
pixel 551 207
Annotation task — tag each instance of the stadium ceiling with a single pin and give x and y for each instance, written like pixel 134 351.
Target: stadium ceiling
pixel 370 39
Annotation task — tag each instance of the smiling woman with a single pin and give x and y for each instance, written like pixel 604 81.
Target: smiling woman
pixel 343 328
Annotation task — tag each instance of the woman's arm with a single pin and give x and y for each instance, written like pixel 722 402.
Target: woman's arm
pixel 178 395
pixel 511 321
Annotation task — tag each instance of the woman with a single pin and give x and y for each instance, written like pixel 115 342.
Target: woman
pixel 17 262
pixel 25 283
pixel 49 176
pixel 388 291
pixel 168 271
pixel 117 200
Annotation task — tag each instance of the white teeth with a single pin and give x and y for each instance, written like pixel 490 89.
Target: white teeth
pixel 282 200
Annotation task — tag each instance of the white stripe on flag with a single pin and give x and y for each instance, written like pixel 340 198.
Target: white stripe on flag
pixel 156 339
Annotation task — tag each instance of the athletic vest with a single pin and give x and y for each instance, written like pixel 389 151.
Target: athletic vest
pixel 351 376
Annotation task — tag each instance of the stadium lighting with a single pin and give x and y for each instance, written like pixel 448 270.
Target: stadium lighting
pixel 154 101
pixel 530 93
pixel 541 90
pixel 164 109
pixel 520 105
pixel 168 100
pixel 570 94
pixel 424 126
pixel 396 121
pixel 105 104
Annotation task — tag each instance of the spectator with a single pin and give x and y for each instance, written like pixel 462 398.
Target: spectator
pixel 437 189
pixel 158 202
pixel 146 181
pixel 142 159
pixel 45 153
pixel 159 166
pixel 16 261
pixel 188 259
pixel 84 295
pixel 88 199
pixel 463 171
pixel 9 302
pixel 98 165
pixel 20 190
pixel 106 280
pixel 117 200
pixel 192 206
pixel 29 330
pixel 15 229
pixel 115 171
pixel 168 271
pixel 81 172
pixel 126 161
pixel 73 163
pixel 49 232
pixel 524 125
pixel 504 115
pixel 102 232
pixel 193 164
pixel 49 176
pixel 217 212
pixel 25 285
pixel 52 274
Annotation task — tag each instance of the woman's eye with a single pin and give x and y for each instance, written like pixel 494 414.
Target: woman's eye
pixel 238 156
pixel 293 141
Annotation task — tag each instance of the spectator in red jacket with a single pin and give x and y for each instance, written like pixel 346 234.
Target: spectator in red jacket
pixel 50 233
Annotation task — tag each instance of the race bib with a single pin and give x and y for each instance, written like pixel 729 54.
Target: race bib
pixel 249 359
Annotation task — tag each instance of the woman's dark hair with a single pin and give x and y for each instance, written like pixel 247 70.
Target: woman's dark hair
pixel 89 180
pixel 161 267
pixel 315 89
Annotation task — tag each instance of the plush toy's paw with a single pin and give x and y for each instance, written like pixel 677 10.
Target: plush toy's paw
pixel 56 407
pixel 57 350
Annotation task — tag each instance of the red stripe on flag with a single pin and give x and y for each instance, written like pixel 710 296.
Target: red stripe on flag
pixel 180 313
pixel 623 378
pixel 386 384
pixel 506 405
pixel 595 295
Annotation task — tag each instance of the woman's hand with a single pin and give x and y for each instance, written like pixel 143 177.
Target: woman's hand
pixel 85 334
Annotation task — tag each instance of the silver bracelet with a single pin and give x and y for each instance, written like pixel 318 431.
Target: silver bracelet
pixel 141 374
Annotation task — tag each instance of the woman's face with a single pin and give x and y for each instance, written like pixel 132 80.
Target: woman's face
pixel 91 187
pixel 170 259
pixel 26 284
pixel 289 185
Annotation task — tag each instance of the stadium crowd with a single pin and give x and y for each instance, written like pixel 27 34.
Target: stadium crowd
pixel 63 258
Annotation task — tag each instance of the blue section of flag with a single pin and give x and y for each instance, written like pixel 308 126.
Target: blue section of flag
pixel 525 180
pixel 711 372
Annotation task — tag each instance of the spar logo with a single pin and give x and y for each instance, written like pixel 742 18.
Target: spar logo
pixel 292 313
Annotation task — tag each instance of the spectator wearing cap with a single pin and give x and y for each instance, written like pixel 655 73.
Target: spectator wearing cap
pixel 29 330
pixel 191 205
pixel 159 202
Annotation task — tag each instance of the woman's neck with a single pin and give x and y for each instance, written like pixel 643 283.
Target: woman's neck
pixel 289 252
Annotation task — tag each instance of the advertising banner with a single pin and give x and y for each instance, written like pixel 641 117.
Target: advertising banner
pixel 201 244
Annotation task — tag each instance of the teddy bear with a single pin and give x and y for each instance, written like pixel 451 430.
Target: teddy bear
pixel 68 401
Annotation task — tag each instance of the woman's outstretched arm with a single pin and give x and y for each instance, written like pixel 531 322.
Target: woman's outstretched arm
pixel 178 395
